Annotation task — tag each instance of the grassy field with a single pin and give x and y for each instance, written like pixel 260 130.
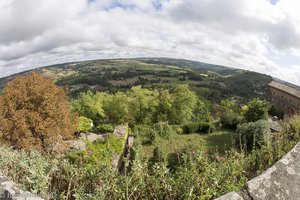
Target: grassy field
pixel 218 141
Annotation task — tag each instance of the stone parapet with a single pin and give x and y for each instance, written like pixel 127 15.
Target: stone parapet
pixel 11 191
pixel 281 181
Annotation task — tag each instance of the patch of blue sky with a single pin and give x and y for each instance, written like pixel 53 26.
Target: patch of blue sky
pixel 157 5
pixel 90 1
pixel 117 4
pixel 284 59
pixel 273 2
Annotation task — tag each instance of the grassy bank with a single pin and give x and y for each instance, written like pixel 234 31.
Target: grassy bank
pixel 219 141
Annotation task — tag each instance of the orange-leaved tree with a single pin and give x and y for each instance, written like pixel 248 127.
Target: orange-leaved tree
pixel 35 114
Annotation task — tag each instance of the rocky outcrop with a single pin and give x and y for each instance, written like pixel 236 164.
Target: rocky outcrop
pixel 79 144
pixel 281 181
pixel 11 191
pixel 120 132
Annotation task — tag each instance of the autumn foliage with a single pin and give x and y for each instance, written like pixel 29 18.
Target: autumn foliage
pixel 34 114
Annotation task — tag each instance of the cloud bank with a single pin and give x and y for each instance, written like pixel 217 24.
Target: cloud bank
pixel 258 35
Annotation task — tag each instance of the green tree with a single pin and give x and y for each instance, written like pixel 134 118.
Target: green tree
pixel 184 103
pixel 229 113
pixel 143 104
pixel 165 106
pixel 201 112
pixel 90 105
pixel 116 108
pixel 256 109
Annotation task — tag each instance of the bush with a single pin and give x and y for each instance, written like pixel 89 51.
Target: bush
pixel 141 129
pixel 191 127
pixel 145 131
pixel 105 128
pixel 275 111
pixel 196 127
pixel 230 114
pixel 178 129
pixel 291 129
pixel 156 158
pixel 84 124
pixel 164 130
pixel 152 135
pixel 206 127
pixel 101 151
pixel 181 156
pixel 252 135
pixel 256 110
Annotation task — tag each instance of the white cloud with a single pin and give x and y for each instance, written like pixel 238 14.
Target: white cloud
pixel 228 32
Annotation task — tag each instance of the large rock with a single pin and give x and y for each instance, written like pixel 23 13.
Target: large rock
pixel 231 196
pixel 281 181
pixel 121 131
pixel 11 191
pixel 91 137
pixel 79 144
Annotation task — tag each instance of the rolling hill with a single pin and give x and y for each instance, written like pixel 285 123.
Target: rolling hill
pixel 212 82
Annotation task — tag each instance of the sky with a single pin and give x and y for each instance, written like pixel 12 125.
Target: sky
pixel 257 35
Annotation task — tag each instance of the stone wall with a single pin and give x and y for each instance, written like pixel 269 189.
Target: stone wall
pixel 120 132
pixel 281 181
pixel 11 191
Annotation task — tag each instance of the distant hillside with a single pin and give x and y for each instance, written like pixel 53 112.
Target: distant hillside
pixel 212 82
pixel 189 63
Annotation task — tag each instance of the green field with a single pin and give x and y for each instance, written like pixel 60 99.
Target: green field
pixel 215 142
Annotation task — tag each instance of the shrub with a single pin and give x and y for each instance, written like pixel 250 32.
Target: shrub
pixel 252 135
pixel 191 127
pixel 152 136
pixel 206 127
pixel 34 114
pixel 156 158
pixel 178 129
pixel 105 128
pixel 256 110
pixel 164 129
pixel 145 132
pixel 229 113
pixel 84 124
pixel 196 127
pixel 101 151
pixel 30 169
pixel 141 129
pixel 181 156
pixel 276 111
pixel 291 129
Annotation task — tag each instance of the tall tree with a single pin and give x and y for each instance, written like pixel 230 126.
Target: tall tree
pixel 143 104
pixel 35 113
pixel 184 103
pixel 201 112
pixel 116 108
pixel 90 105
pixel 165 105
pixel 229 113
